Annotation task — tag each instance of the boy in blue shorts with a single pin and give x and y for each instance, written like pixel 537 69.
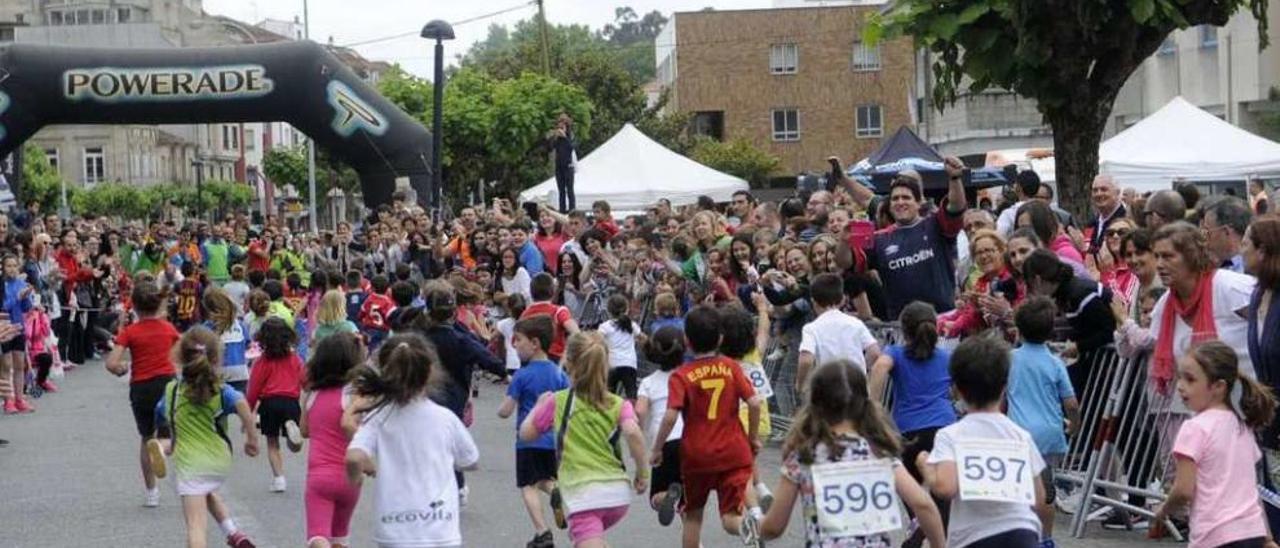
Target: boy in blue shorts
pixel 1039 390
pixel 536 464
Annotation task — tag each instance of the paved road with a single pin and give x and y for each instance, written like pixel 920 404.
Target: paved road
pixel 70 479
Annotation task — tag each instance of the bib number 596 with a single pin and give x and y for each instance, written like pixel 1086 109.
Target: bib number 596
pixel 856 498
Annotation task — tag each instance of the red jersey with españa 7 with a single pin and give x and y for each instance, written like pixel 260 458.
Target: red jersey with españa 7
pixel 707 393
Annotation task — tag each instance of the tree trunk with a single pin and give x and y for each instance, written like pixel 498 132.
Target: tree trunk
pixel 1075 153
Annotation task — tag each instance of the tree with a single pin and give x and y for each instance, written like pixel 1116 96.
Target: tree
pixel 1071 56
pixel 40 181
pixel 633 38
pixel 736 157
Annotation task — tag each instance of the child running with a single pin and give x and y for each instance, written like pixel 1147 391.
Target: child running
pixel 535 460
pixel 514 306
pixel 1216 451
pixel 13 364
pixel 586 419
pixel 194 408
pixel 991 503
pixel 841 430
pixel 412 444
pixel 148 341
pixel 330 498
pixel 715 453
pixel 742 337
pixel 665 348
pixel 275 383
pixel 1039 389
pixel 620 333
pixel 220 318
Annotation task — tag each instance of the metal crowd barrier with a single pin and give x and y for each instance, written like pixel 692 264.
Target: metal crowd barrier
pixel 1123 453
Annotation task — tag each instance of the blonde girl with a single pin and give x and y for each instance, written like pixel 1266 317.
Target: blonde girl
pixel 220 318
pixel 331 317
pixel 593 487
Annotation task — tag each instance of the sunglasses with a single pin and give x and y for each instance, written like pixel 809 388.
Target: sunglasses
pixel 1118 233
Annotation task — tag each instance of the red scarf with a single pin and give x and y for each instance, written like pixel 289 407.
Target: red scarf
pixel 1197 311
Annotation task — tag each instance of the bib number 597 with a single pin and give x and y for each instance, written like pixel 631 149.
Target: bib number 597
pixel 996 470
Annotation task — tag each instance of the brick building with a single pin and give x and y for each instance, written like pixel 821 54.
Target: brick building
pixel 796 82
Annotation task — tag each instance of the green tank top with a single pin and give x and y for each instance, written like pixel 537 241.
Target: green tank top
pixel 201 446
pixel 592 449
pixel 217 255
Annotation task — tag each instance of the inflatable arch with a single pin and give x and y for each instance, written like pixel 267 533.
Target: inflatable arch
pixel 295 82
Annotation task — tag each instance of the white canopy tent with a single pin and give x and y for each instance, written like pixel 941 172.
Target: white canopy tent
pixel 632 171
pixel 1182 141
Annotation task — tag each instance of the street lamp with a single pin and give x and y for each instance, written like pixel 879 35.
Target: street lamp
pixel 199 165
pixel 439 31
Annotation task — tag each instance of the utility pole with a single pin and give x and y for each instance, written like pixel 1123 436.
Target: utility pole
pixel 311 143
pixel 546 55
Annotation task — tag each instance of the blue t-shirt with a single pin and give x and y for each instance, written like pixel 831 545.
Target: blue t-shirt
pixel 1038 383
pixel 531 259
pixel 355 300
pixel 531 381
pixel 917 262
pixel 659 323
pixel 921 390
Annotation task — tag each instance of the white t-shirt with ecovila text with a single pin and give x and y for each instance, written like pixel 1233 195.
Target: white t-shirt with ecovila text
pixel 416 448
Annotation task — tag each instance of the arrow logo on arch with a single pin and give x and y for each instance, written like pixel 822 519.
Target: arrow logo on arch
pixel 352 113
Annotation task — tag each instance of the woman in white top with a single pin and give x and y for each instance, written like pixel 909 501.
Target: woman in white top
pixel 665 348
pixel 620 334
pixel 513 278
pixel 514 306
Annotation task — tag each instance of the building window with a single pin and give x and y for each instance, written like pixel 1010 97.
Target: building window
pixel 123 15
pixel 95 165
pixel 870 121
pixel 710 124
pixel 82 17
pixel 865 57
pixel 249 141
pixel 1168 47
pixel 55 18
pixel 51 154
pixel 784 59
pixel 99 16
pixel 235 138
pixel 786 125
pixel 1208 36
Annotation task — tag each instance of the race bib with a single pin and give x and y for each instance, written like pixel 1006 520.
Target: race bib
pixel 759 379
pixel 856 498
pixel 995 470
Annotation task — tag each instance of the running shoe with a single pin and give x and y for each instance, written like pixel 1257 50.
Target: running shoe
pixel 48 386
pixel 1069 503
pixel 293 436
pixel 557 508
pixel 153 498
pixel 24 406
pixel 766 497
pixel 278 484
pixel 749 531
pixel 464 494
pixel 667 508
pixel 239 540
pixel 544 540
pixel 10 408
pixel 1048 543
pixel 155 456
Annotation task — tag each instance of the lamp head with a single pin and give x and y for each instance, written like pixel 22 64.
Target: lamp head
pixel 438 30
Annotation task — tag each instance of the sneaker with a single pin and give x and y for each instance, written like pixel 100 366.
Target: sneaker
pixel 766 497
pixel 153 498
pixel 48 386
pixel 1119 520
pixel 239 540
pixel 544 540
pixel 278 484
pixel 667 508
pixel 24 406
pixel 293 436
pixel 155 456
pixel 1048 543
pixel 749 530
pixel 557 508
pixel 10 408
pixel 1069 503
pixel 464 494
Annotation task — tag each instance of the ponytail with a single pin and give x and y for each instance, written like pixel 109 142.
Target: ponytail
pixel 200 380
pixel 619 309
pixel 920 326
pixel 1257 403
pixel 199 353
pixel 406 370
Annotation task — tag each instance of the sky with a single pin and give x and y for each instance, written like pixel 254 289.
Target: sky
pixel 349 21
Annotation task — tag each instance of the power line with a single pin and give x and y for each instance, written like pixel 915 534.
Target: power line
pixel 454 23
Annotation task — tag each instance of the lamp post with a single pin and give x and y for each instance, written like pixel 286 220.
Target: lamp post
pixel 439 31
pixel 199 165
pixel 311 143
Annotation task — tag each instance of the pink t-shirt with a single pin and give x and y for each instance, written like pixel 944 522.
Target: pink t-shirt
pixel 544 415
pixel 1226 506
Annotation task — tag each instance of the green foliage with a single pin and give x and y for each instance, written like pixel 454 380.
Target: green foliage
pixel 286 167
pixel 737 157
pixel 40 181
pixel 494 129
pixel 633 38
